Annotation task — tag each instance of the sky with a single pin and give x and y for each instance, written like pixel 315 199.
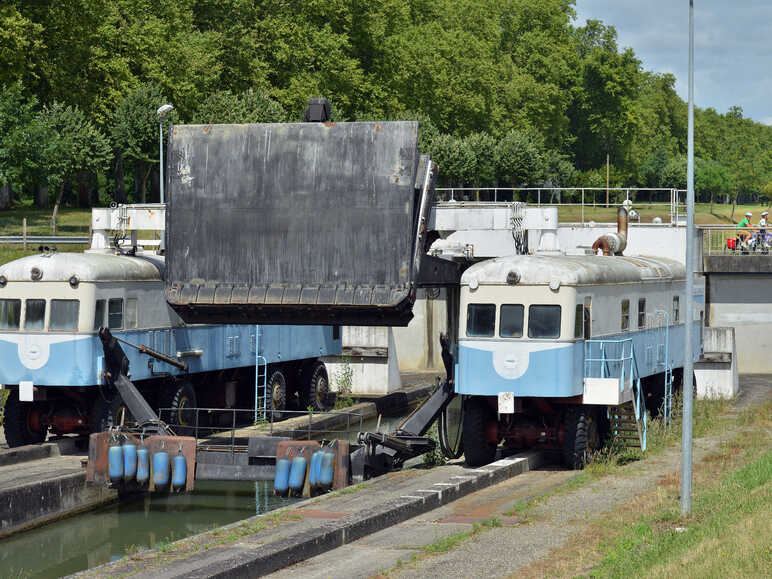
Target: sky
pixel 732 46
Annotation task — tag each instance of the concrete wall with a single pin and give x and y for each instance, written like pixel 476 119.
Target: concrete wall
pixel 368 364
pixel 717 373
pixel 744 302
pixel 374 357
pixel 47 500
pixel 644 239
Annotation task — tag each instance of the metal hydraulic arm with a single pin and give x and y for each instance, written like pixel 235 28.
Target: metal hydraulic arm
pixel 116 373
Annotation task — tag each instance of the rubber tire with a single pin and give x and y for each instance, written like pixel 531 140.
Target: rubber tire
pixel 315 387
pixel 16 425
pixel 276 390
pixel 179 395
pixel 105 413
pixel 477 450
pixel 582 436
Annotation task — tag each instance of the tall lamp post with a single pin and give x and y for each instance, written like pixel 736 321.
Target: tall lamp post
pixel 688 383
pixel 162 111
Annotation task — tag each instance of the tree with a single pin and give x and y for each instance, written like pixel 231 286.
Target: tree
pixel 518 158
pixel 604 113
pixel 455 158
pixel 16 114
pixel 69 144
pixel 135 132
pixel 247 107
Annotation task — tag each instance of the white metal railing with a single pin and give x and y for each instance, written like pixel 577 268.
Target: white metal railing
pixel 733 240
pixel 671 199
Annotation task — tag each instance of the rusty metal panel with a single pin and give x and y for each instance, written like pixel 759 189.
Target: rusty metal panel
pixel 303 223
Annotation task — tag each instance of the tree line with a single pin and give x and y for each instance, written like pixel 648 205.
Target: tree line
pixel 508 92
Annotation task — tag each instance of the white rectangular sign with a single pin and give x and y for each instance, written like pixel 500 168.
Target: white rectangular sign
pixel 506 402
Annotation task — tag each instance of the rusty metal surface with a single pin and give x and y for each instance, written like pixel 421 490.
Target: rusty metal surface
pixel 293 223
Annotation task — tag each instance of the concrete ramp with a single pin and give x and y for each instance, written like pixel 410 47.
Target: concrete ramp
pixel 306 223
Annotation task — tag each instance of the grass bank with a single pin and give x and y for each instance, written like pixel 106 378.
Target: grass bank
pixel 728 532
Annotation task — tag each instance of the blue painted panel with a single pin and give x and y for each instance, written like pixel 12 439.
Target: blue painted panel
pixel 525 368
pixel 57 359
pixel 554 369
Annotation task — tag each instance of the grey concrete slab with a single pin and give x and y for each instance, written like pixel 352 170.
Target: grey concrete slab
pixel 330 522
pixel 351 561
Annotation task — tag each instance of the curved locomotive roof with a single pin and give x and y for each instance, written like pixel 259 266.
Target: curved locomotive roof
pixel 89 267
pixel 575 269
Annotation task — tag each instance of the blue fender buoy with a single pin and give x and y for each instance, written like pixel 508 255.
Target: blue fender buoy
pixel 143 466
pixel 129 461
pixel 179 471
pixel 314 469
pixel 115 463
pixel 281 477
pixel 297 474
pixel 328 470
pixel 161 469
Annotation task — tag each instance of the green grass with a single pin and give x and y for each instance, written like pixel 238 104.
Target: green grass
pixel 68 222
pixel 728 534
pixel 702 213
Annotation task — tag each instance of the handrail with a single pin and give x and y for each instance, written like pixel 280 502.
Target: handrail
pixel 630 379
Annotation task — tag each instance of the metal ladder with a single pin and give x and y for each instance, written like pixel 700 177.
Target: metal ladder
pixel 261 377
pixel 664 363
pixel 620 363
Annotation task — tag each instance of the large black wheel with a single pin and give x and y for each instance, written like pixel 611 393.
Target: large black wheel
pixel 582 436
pixel 478 416
pixel 180 399
pixel 276 390
pixel 314 387
pixel 108 411
pixel 22 425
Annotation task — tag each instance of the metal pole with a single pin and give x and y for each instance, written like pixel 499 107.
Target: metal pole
pixel 688 384
pixel 161 156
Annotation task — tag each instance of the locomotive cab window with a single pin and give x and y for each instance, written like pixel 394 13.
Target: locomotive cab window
pixel 511 321
pixel 582 321
pixel 544 322
pixel 480 320
pixel 642 312
pixel 64 315
pixel 131 312
pixel 115 314
pixel 676 308
pixel 34 314
pixel 625 314
pixel 99 314
pixel 10 314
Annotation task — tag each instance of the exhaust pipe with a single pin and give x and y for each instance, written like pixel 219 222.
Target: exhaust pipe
pixel 614 243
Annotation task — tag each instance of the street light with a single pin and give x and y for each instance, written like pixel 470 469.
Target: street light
pixel 162 111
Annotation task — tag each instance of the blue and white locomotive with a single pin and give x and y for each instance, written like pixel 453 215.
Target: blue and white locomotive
pixel 52 306
pixel 552 346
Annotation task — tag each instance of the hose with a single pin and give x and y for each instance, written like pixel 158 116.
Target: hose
pixel 442 431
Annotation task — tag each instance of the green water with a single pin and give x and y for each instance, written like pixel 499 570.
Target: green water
pixel 107 534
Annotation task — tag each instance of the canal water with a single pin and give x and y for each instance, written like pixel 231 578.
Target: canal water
pixel 109 533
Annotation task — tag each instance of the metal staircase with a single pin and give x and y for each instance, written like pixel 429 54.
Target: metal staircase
pixel 616 359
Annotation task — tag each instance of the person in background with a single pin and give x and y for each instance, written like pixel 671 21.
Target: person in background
pixel 744 234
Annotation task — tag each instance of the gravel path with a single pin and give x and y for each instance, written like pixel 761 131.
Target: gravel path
pixel 505 550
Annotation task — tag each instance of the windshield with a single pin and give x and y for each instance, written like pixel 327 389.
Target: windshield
pixel 34 314
pixel 64 315
pixel 480 320
pixel 10 314
pixel 544 322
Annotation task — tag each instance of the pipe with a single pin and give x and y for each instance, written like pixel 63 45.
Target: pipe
pixel 614 243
